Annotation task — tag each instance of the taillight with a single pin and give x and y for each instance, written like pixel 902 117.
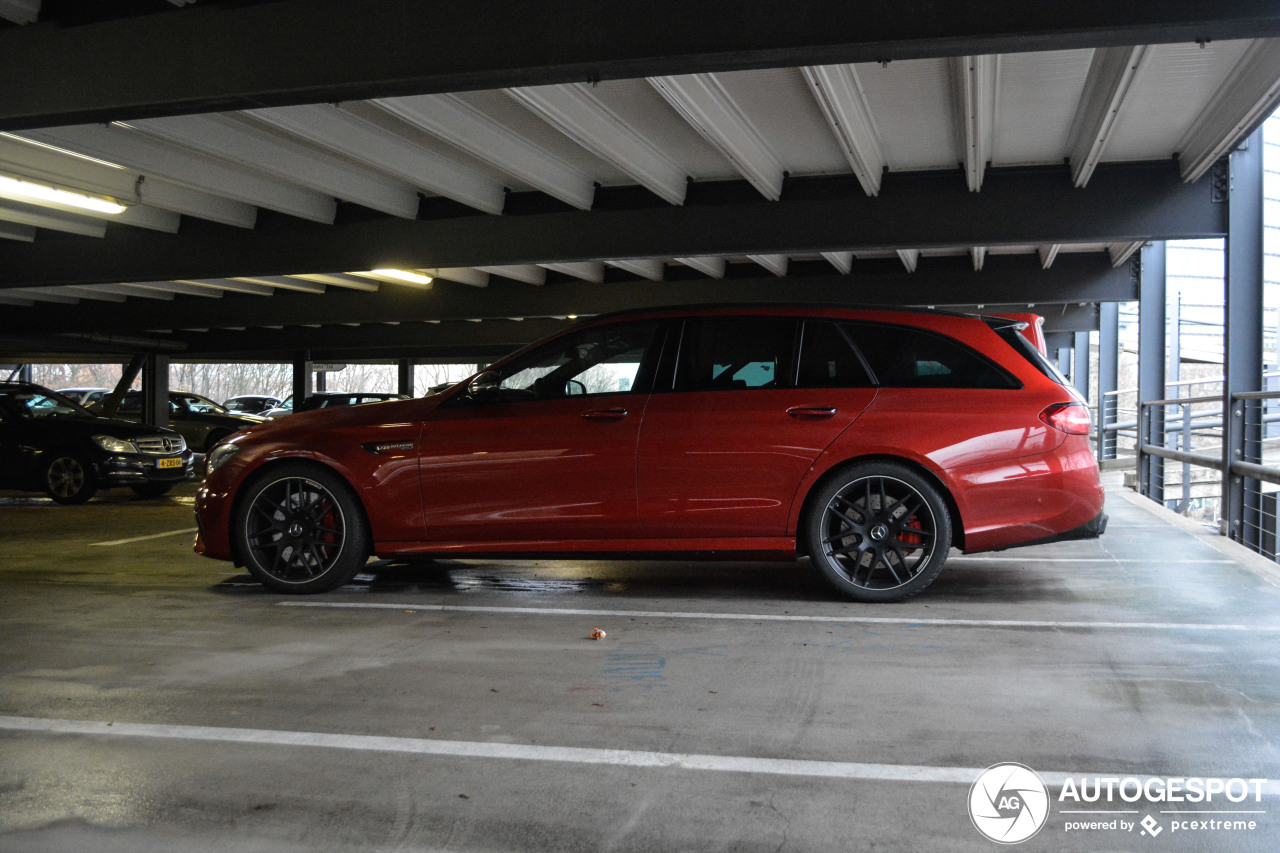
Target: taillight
pixel 1071 418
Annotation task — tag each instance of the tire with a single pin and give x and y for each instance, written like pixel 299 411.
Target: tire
pixel 878 532
pixel 69 478
pixel 300 529
pixel 151 490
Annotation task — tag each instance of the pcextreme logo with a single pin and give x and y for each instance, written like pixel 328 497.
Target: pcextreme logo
pixel 1009 803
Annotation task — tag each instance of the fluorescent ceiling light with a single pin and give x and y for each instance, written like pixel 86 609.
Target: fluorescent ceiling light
pixel 404 275
pixel 21 190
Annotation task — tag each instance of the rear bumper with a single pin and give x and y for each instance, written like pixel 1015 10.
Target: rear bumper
pixel 1091 529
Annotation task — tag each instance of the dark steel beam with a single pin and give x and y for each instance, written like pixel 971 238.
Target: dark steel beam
pixel 1005 280
pixel 1152 320
pixel 221 57
pixel 1123 203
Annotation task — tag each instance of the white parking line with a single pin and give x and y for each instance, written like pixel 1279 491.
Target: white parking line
pixel 530 752
pixel 144 538
pixel 981 558
pixel 785 617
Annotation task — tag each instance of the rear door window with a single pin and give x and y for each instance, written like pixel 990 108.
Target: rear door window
pixel 905 357
pixel 828 359
pixel 737 353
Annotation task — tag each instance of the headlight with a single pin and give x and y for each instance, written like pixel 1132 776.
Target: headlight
pixel 221 454
pixel 115 445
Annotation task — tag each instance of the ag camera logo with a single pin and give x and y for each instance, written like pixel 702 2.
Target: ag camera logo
pixel 1009 803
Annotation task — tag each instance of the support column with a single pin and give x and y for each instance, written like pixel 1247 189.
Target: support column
pixel 1242 341
pixel 155 390
pixel 130 372
pixel 404 376
pixel 1151 355
pixel 1108 375
pixel 1080 372
pixel 302 387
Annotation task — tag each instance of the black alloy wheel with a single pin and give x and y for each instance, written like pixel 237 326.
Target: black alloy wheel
pixel 300 529
pixel 69 478
pixel 878 532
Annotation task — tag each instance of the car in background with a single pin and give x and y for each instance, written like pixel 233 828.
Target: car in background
pixel 202 422
pixel 330 399
pixel 84 396
pixel 870 441
pixel 250 404
pixel 285 407
pixel 49 443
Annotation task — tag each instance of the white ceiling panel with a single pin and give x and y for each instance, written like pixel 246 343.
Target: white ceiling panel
pixel 1038 93
pixel 911 103
pixel 1176 82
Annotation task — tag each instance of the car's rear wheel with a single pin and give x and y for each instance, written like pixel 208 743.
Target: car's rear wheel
pixel 300 529
pixel 878 532
pixel 69 478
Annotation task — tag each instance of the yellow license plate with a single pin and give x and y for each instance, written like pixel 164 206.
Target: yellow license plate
pixel 169 463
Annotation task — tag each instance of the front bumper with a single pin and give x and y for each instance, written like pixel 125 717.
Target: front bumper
pixel 132 469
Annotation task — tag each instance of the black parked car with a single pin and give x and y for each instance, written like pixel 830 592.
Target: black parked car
pixel 49 443
pixel 250 404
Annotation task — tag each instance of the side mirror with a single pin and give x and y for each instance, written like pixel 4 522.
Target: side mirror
pixel 485 386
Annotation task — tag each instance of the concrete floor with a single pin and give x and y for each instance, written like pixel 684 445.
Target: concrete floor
pixel 151 700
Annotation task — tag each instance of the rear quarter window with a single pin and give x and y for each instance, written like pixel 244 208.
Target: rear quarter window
pixel 906 357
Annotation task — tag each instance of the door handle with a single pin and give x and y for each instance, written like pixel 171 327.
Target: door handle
pixel 605 414
pixel 811 413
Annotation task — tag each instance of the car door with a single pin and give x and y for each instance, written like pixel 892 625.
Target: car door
pixel 546 450
pixel 727 441
pixel 15 448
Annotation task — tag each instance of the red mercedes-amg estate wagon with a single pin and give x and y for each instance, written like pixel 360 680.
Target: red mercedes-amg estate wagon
pixel 872 441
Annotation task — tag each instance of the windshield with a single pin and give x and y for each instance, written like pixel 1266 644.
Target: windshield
pixel 42 404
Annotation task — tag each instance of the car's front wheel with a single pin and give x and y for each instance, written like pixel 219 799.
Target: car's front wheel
pixel 300 529
pixel 69 478
pixel 878 531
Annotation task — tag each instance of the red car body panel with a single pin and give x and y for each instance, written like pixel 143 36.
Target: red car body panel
pixel 715 471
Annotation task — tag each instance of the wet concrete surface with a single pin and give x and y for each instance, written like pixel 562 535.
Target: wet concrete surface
pixel 154 700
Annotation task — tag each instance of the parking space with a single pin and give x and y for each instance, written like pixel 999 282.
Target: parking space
pixel 153 700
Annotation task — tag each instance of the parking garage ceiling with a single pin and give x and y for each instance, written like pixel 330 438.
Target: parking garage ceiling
pixel 281 164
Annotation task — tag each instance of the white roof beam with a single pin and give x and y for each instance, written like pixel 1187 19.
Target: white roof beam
pixel 55 166
pixel 221 285
pixel 53 220
pixel 125 290
pixel 340 280
pixel 460 124
pixel 1249 94
pixel 44 294
pixel 1048 254
pixel 284 282
pixel 702 101
pixel 842 261
pixel 87 292
pixel 17 231
pixel 844 105
pixel 527 273
pixel 134 150
pixel 910 258
pixel 1111 79
pixel 7 298
pixel 974 96
pixel 461 275
pixel 592 271
pixel 576 113
pixel 651 268
pixel 776 264
pixel 238 142
pixel 978 254
pixel 391 279
pixel 20 11
pixel 1121 252
pixel 355 138
pixel 710 266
